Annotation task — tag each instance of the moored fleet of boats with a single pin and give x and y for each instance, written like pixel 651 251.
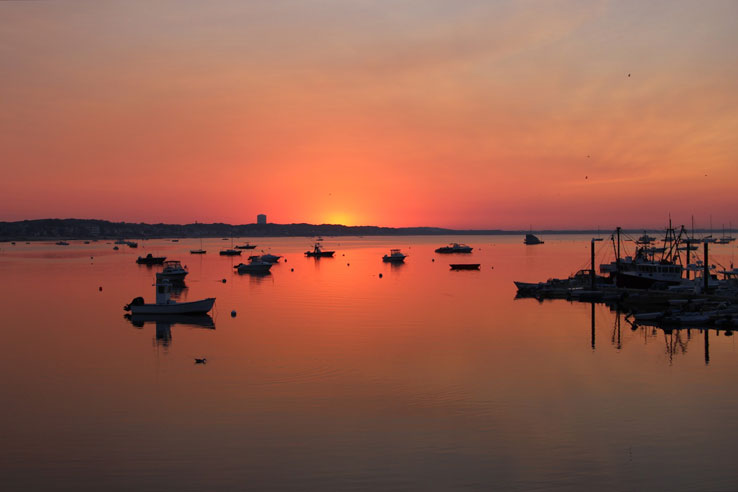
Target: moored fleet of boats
pixel 664 284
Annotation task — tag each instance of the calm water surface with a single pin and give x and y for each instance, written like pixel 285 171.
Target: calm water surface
pixel 332 378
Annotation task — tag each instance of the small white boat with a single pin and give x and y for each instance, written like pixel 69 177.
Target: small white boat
pixel 395 256
pixel 173 270
pixel 165 305
pixel 255 265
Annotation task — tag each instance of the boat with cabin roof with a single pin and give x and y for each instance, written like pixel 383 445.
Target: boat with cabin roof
pixel 454 248
pixel 395 256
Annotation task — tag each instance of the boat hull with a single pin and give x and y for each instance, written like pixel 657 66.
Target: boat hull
pixel 393 259
pixel 195 307
pixel 465 266
pixel 252 268
pixel 322 254
pixel 151 261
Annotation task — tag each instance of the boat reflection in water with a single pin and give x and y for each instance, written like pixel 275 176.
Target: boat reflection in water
pixel 164 322
pixel 676 339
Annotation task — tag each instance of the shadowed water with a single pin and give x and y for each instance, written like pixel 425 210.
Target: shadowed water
pixel 332 378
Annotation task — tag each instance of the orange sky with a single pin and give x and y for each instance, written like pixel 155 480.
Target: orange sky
pixel 398 113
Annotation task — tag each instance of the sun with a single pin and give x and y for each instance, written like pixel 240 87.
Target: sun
pixel 341 218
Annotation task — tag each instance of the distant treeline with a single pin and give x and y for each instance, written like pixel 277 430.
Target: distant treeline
pixel 92 229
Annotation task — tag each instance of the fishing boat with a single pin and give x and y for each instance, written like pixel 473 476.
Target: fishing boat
pixel 173 270
pixel 395 256
pixel 165 305
pixel 319 252
pixel 454 248
pixel 644 270
pixel 464 266
pixel 150 259
pixel 530 239
pixel 255 265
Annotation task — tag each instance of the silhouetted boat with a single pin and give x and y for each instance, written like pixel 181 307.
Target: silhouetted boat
pixel 454 248
pixel 464 266
pixel 246 246
pixel 62 243
pixel 531 239
pixel 318 252
pixel 132 244
pixel 150 259
pixel 165 305
pixel 643 271
pixel 255 265
pixel 230 252
pixel 395 256
pixel 173 270
pixel 198 251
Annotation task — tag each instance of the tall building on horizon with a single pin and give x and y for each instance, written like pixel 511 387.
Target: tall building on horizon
pixel 261 219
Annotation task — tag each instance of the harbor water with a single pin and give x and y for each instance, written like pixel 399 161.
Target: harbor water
pixel 348 373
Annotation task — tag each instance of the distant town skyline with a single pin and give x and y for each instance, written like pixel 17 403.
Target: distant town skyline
pixel 471 115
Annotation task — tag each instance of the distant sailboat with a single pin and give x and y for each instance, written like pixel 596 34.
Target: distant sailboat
pixel 198 251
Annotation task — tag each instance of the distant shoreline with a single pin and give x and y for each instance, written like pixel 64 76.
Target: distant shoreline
pixel 48 229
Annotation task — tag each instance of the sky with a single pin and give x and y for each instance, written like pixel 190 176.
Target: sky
pixel 465 114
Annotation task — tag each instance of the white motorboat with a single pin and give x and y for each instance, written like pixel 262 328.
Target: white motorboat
pixel 395 256
pixel 165 305
pixel 173 270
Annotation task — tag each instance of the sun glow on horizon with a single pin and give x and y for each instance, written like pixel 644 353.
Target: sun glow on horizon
pixel 473 115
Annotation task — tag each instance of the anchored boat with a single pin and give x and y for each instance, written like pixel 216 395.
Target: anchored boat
pixel 454 248
pixel 395 256
pixel 165 305
pixel 319 252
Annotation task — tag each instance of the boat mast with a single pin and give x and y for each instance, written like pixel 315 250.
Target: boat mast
pixel 617 254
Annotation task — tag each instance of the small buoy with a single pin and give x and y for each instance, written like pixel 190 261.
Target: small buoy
pixel 92 257
pixel 285 260
pixel 201 361
pixel 224 280
pixel 433 259
pixel 292 269
pixel 380 275
pixel 100 289
pixel 233 313
pixel 348 264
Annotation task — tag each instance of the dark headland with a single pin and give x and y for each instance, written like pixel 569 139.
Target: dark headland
pixel 28 230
